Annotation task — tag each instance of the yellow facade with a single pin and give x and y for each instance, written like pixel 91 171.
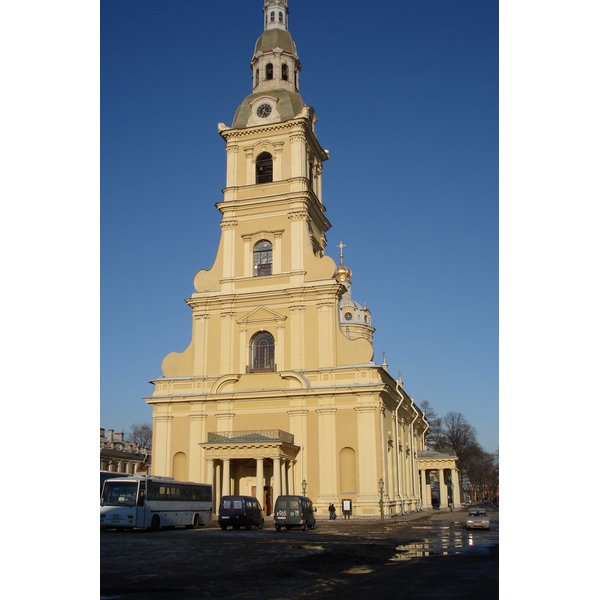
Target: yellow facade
pixel 275 388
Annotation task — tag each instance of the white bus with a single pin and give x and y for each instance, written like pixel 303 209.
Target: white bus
pixel 154 502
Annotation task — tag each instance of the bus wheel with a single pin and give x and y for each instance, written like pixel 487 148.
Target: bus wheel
pixel 155 524
pixel 196 521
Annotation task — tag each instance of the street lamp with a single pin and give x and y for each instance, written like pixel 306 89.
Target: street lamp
pixel 381 494
pixel 304 487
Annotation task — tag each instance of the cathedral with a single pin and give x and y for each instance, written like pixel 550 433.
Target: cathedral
pixel 278 391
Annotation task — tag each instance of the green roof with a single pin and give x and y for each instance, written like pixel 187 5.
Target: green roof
pixel 275 38
pixel 289 105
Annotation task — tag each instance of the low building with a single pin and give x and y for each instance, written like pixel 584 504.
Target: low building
pixel 117 455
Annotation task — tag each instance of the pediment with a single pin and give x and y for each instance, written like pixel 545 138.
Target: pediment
pixel 261 315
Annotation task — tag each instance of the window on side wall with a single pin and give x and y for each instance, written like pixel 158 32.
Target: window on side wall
pixel 263 259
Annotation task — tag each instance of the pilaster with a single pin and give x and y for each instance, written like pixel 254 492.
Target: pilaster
pixel 368 488
pixel 197 436
pixel 328 479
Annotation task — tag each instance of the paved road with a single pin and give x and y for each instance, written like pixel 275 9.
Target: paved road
pixel 424 555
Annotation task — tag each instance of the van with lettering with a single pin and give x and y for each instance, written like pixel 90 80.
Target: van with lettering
pixel 294 511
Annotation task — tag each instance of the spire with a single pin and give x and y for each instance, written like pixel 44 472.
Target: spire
pixel 275 73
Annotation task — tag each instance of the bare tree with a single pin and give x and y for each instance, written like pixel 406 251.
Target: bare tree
pixel 435 424
pixel 461 438
pixel 482 469
pixel 141 434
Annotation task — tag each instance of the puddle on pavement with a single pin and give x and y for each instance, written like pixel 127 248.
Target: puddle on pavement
pixel 362 570
pixel 426 548
pixel 451 541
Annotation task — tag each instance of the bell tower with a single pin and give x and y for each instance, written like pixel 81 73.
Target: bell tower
pixel 273 193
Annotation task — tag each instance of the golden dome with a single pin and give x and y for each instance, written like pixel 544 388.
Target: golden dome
pixel 343 273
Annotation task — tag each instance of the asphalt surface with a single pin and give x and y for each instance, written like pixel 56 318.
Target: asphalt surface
pixel 419 555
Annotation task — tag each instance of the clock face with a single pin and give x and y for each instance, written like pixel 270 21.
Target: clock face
pixel 348 316
pixel 263 111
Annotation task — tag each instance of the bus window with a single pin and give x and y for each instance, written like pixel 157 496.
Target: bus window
pixel 119 494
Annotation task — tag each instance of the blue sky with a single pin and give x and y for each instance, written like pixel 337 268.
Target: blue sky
pixel 407 104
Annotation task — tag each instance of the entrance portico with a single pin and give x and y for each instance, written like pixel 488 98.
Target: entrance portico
pixel 447 474
pixel 246 462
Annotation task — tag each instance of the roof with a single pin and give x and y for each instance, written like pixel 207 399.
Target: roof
pixel 275 38
pixel 289 105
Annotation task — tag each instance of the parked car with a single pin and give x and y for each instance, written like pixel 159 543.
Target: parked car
pixel 294 511
pixel 478 519
pixel 240 511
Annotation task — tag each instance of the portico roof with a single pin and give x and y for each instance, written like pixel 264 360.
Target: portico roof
pixel 270 443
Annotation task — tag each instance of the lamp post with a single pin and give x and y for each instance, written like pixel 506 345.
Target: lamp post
pixel 381 494
pixel 304 487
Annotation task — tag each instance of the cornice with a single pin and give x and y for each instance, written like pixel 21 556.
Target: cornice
pixel 302 123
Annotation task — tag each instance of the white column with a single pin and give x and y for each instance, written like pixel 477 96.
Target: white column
pixel 429 491
pixel 292 480
pixel 455 488
pixel 226 477
pixel 284 477
pixel 423 488
pixel 443 490
pixel 276 478
pixel 260 480
pixel 217 488
pixel 210 478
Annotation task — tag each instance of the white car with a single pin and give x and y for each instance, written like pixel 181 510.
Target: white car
pixel 478 519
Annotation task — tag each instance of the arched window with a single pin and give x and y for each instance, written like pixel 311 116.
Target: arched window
pixel 269 71
pixel 263 352
pixel 281 17
pixel 257 79
pixel 284 72
pixel 272 16
pixel 264 168
pixel 263 259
